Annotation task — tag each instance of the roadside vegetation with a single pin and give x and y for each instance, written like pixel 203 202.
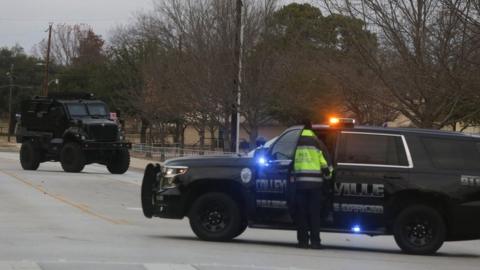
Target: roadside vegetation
pixel 174 66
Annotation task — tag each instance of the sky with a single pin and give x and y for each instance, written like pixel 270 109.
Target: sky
pixel 24 22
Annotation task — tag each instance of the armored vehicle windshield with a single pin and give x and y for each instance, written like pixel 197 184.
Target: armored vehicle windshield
pixel 79 110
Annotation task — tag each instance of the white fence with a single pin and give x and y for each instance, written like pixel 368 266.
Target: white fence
pixel 164 153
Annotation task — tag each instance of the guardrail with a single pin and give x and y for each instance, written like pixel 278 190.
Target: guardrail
pixel 164 153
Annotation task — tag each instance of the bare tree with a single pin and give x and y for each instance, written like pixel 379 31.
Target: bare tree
pixel 423 57
pixel 204 33
pixel 66 42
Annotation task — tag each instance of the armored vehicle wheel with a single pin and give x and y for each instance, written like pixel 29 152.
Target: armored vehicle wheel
pixel 148 183
pixel 29 156
pixel 72 158
pixel 215 217
pixel 119 162
pixel 419 229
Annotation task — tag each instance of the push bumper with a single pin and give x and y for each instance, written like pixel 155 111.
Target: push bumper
pixel 169 204
pixel 465 222
pixel 106 145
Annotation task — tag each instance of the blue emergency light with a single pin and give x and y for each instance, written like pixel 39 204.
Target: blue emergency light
pixel 262 161
pixel 356 229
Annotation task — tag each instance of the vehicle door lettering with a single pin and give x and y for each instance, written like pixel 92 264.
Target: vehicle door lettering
pixel 277 204
pixel 358 208
pixel 470 180
pixel 271 185
pixel 359 190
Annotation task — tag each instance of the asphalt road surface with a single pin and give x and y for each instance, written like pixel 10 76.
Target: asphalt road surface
pixel 92 220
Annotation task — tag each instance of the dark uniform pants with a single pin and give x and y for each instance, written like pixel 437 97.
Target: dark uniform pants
pixel 308 214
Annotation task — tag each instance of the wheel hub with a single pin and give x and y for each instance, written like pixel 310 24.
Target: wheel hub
pixel 215 218
pixel 419 233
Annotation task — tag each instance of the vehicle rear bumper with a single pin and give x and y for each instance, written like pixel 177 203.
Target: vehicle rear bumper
pixel 106 145
pixel 465 222
pixel 169 204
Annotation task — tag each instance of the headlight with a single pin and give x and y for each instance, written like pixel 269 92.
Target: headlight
pixel 172 171
pixel 169 179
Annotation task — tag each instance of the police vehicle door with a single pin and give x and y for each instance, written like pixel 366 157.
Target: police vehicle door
pixel 369 166
pixel 271 194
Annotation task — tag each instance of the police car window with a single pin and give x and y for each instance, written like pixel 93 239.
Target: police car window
pixel 77 109
pixel 372 149
pixel 266 145
pixel 453 154
pixel 285 146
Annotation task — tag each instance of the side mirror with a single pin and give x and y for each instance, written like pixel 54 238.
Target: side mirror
pixel 261 156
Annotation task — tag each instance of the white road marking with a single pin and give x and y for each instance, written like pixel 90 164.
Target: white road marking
pixel 162 266
pixel 242 266
pixel 28 265
pixel 24 265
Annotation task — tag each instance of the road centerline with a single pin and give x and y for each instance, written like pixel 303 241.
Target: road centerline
pixel 84 209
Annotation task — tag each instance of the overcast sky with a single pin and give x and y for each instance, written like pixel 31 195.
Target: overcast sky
pixel 24 21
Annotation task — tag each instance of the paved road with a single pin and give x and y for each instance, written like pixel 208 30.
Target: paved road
pixel 92 220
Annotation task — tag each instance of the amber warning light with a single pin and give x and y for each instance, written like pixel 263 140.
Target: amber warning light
pixel 345 122
pixel 334 121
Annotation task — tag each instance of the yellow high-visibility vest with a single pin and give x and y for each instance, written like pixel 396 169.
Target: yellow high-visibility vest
pixel 309 160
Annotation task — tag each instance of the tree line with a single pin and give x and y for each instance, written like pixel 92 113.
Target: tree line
pixel 374 60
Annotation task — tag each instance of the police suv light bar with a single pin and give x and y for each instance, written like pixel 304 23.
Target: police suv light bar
pixel 344 122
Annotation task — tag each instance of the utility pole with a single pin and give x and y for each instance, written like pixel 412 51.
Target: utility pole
pixel 10 102
pixel 237 93
pixel 47 61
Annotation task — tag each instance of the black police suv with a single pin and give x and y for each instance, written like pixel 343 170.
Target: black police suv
pixel 421 186
pixel 74 129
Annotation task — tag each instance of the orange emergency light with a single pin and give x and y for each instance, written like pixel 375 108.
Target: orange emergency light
pixel 334 121
pixel 341 122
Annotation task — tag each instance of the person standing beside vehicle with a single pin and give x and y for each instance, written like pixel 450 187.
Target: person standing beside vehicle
pixel 311 165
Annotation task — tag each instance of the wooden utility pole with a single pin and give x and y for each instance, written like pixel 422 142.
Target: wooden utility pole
pixel 47 61
pixel 10 122
pixel 235 119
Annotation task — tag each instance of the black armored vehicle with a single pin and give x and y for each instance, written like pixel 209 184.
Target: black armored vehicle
pixel 74 129
pixel 421 186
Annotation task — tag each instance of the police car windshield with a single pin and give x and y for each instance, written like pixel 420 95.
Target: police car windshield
pixel 266 145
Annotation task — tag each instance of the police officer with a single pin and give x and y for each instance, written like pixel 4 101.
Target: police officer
pixel 311 166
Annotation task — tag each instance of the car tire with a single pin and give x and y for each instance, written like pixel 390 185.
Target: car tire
pixel 29 156
pixel 215 216
pixel 420 230
pixel 72 158
pixel 148 184
pixel 119 162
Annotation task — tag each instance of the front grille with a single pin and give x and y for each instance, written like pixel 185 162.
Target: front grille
pixel 105 132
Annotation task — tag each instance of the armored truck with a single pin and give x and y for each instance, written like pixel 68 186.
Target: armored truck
pixel 74 129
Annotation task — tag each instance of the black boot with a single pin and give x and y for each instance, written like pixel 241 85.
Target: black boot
pixel 302 237
pixel 317 245
pixel 315 241
pixel 303 245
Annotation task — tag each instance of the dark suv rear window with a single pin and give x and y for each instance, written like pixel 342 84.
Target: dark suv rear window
pixel 453 154
pixel 372 149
